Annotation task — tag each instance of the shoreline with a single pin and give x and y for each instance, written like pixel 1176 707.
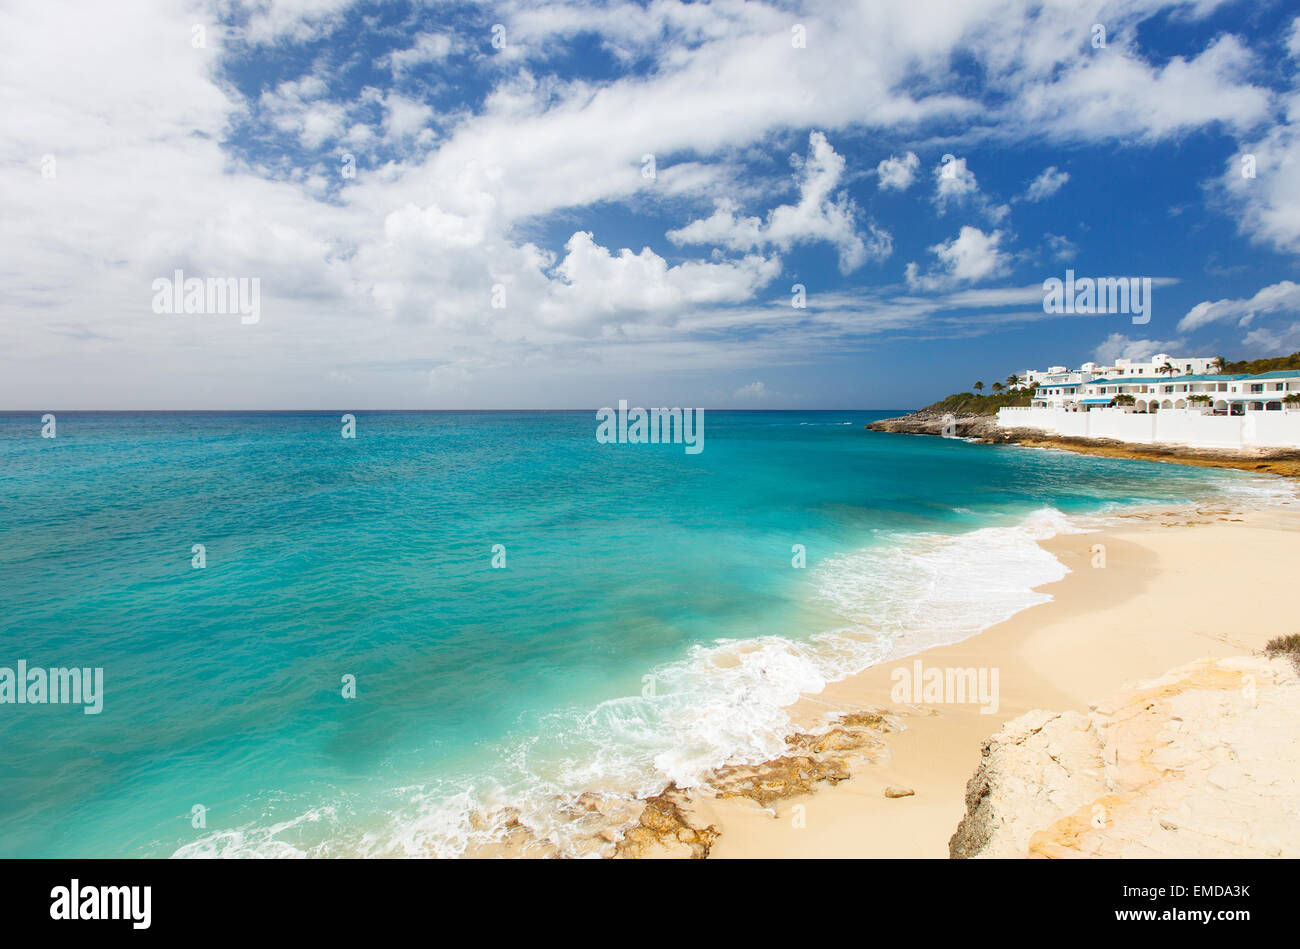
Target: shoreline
pixel 1105 628
pixel 984 429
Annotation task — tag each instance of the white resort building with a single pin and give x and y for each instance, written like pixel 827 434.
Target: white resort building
pixel 1164 400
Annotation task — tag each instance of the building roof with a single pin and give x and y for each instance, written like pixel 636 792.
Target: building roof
pixel 1129 380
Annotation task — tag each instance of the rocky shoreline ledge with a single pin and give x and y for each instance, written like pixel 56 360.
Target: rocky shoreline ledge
pixel 1198 763
pixel 985 428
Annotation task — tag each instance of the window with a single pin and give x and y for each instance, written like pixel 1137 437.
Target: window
pixel 1257 387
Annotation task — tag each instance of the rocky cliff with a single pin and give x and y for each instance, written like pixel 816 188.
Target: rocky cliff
pixel 1203 762
pixel 985 428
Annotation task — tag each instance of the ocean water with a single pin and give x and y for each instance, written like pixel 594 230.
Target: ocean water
pixel 648 625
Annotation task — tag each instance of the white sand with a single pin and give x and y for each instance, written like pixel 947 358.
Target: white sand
pixel 1175 587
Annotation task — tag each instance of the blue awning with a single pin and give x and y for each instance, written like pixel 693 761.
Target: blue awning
pixel 1095 401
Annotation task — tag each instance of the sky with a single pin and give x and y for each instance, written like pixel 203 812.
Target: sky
pixel 539 205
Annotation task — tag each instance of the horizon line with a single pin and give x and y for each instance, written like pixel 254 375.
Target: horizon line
pixel 285 411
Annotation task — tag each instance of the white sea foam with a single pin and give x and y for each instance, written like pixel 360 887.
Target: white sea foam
pixel 724 703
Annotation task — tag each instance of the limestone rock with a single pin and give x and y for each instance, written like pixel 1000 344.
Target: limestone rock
pixel 1202 762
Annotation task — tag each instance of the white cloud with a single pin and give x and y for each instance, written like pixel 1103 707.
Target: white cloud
pixel 1061 248
pixel 754 391
pixel 1119 346
pixel 406 118
pixel 594 282
pixel 969 257
pixel 1281 341
pixel 427 48
pixel 1047 184
pixel 396 269
pixel 820 215
pixel 954 182
pixel 271 20
pixel 1281 297
pixel 897 174
pixel 1268 205
pixel 1112 94
pixel 955 185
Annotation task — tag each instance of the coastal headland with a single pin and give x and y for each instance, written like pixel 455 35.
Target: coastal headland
pixel 985 428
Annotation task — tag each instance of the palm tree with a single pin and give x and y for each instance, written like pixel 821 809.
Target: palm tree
pixel 1013 380
pixel 979 387
pixel 997 387
pixel 1216 364
pixel 1167 367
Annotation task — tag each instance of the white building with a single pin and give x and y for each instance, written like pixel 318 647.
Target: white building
pixel 1032 376
pixel 1059 390
pixel 1060 387
pixel 1209 410
pixel 1218 394
pixel 1160 364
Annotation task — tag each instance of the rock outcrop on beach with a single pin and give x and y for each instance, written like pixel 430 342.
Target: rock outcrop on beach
pixel 926 422
pixel 1202 762
pixel 669 828
pixel 666 831
pixel 985 428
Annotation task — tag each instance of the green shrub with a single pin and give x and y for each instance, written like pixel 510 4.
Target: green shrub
pixel 968 403
pixel 1256 366
pixel 1284 646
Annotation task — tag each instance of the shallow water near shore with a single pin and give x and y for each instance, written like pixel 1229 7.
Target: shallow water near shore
pixel 648 626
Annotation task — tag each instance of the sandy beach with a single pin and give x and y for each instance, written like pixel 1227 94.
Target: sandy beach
pixel 1176 586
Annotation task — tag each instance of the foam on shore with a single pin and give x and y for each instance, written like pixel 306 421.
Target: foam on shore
pixel 573 787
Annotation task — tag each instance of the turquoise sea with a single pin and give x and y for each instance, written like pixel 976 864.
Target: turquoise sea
pixel 648 624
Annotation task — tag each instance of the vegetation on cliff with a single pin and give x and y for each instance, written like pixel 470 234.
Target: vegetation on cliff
pixel 976 403
pixel 1256 366
pixel 969 403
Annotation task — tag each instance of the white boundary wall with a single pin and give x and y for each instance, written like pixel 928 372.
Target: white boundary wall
pixel 1177 426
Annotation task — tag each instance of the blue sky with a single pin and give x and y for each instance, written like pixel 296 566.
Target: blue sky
pixel 499 152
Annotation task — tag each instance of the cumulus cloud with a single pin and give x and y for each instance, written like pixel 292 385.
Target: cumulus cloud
pixel 1281 341
pixel 1119 346
pixel 427 48
pixel 897 174
pixel 1261 184
pixel 955 185
pixel 1114 94
pixel 172 156
pixel 1283 297
pixel 594 281
pixel 821 214
pixel 1047 183
pixel 969 257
